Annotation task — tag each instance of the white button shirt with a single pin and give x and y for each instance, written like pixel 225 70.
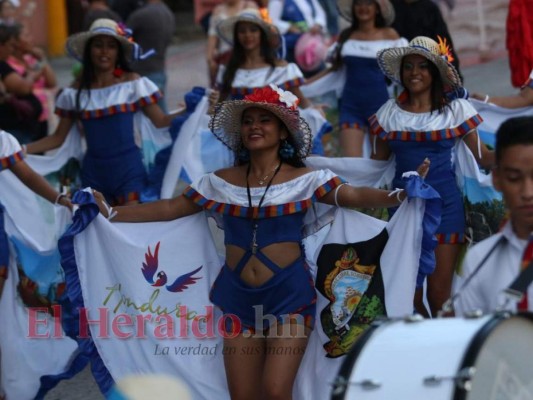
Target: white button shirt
pixel 485 290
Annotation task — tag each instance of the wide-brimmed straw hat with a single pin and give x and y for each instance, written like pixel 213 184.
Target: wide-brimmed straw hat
pixel 226 27
pixel 226 121
pixel 385 7
pixel 390 60
pixel 76 43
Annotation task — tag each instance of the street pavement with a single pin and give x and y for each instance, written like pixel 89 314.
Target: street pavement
pixel 484 66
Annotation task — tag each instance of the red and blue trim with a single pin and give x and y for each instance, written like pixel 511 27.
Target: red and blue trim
pixel 450 238
pixel 111 110
pixel 424 136
pixel 266 211
pixel 9 161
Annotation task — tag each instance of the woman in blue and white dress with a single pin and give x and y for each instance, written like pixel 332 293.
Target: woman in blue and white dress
pixel 105 100
pixel 426 122
pixel 254 64
pixel 365 88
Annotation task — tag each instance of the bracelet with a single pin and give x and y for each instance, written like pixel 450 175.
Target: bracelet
pixel 396 192
pixel 336 192
pixel 110 212
pixel 59 197
pixel 486 100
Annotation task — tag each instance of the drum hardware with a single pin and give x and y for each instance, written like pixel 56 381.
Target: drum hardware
pixel 463 380
pixel 474 314
pixel 340 384
pixel 413 318
pixel 448 305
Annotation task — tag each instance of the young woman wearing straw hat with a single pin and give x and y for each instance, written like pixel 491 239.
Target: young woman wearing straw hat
pixel 365 89
pixel 424 122
pixel 104 100
pixel 261 203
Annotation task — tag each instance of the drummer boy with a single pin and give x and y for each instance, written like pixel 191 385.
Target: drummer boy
pixel 493 264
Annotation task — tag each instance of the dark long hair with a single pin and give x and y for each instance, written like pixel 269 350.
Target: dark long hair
pixel 379 22
pixel 439 100
pixel 87 74
pixel 238 57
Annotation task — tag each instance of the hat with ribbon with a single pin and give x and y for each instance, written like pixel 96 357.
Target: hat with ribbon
pixel 386 9
pixel 76 43
pixel 227 120
pixel 260 17
pixel 390 60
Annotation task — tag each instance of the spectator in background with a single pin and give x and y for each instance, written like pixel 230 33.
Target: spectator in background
pixel 293 18
pixel 332 16
pixel 202 12
pixel 125 8
pixel 422 18
pixel 28 58
pixel 98 9
pixel 153 27
pixel 20 110
pixel 7 11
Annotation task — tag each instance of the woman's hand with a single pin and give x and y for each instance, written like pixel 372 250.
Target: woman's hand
pixel 105 209
pixel 213 98
pixel 423 168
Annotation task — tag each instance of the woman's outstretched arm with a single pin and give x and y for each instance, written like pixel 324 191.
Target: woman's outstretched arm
pixel 162 210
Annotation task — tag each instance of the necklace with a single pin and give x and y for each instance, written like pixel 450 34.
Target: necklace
pixel 263 180
pixel 253 215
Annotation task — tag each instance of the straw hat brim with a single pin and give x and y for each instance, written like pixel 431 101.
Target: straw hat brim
pixel 226 124
pixel 390 61
pixel 226 27
pixel 76 43
pixel 385 6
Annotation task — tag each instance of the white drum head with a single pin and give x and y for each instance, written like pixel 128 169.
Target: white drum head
pixel 421 360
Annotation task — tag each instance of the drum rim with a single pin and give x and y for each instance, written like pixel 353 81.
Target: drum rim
pixel 477 341
pixel 348 364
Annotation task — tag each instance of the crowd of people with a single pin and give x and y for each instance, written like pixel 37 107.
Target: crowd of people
pixel 401 105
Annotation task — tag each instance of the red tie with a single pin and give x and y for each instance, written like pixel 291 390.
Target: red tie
pixel 526 259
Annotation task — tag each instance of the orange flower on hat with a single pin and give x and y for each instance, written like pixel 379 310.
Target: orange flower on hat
pixel 445 50
pixel 265 16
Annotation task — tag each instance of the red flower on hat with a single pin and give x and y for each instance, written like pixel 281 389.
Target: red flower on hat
pixel 273 95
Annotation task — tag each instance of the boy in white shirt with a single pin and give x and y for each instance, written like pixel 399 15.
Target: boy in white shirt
pixel 494 263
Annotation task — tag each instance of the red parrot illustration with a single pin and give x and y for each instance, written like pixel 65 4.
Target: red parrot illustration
pixel 149 269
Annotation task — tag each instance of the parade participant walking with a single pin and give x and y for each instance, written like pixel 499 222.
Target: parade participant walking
pixel 12 158
pixel 421 123
pixel 365 89
pixel 493 264
pixel 254 64
pixel 261 204
pixel 218 51
pixel 105 100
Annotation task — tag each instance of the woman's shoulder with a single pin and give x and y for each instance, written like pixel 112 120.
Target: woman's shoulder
pixel 389 33
pixel 231 175
pixel 281 63
pixel 130 76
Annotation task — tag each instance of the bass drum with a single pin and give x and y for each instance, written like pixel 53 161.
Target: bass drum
pixel 480 358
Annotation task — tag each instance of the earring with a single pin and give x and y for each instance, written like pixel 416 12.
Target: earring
pixel 118 72
pixel 286 150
